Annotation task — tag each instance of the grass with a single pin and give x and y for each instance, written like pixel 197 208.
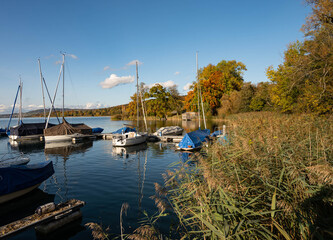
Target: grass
pixel 273 180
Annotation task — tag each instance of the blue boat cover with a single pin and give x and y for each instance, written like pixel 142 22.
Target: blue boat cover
pixel 97 130
pixel 16 178
pixel 124 130
pixel 194 139
pixel 216 133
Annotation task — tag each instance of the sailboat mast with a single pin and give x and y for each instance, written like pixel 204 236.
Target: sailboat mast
pixel 41 81
pixel 20 111
pixel 198 87
pixel 137 96
pixel 63 86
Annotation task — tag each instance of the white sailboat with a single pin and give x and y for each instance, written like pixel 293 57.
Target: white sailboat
pixel 132 138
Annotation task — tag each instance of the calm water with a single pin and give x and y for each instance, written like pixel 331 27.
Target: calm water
pixel 95 172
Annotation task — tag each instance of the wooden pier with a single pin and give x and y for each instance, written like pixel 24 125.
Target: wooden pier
pixel 47 221
pixel 175 139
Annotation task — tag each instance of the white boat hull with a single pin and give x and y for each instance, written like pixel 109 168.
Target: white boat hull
pixel 10 196
pixel 61 138
pixel 128 139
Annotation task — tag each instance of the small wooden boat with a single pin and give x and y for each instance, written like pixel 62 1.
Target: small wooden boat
pixel 16 181
pixel 171 130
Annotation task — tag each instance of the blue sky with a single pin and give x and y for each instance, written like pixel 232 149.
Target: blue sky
pixel 103 38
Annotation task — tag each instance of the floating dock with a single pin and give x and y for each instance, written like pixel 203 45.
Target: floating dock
pixel 175 139
pixel 46 222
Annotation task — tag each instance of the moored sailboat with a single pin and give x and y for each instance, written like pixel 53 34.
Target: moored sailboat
pixel 64 131
pixel 132 137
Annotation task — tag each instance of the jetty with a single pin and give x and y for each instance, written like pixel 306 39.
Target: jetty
pixel 46 219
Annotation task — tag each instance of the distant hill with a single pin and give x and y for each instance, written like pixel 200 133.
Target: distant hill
pixel 116 110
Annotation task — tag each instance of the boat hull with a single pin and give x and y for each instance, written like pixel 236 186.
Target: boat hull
pixel 10 196
pixel 122 141
pixel 61 138
pixel 16 181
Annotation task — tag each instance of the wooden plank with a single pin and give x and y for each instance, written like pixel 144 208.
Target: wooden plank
pixel 35 219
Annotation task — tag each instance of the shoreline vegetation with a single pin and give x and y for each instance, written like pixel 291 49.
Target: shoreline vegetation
pixel 272 180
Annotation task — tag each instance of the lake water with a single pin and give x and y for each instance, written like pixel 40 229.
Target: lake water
pixel 95 172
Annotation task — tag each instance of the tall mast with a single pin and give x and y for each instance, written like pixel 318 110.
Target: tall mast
pixel 63 86
pixel 20 111
pixel 137 96
pixel 41 81
pixel 198 87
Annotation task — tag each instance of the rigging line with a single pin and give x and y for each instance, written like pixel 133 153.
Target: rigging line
pixel 70 79
pixel 47 90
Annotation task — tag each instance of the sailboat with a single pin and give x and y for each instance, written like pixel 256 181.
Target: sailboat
pixel 24 131
pixel 194 140
pixel 132 138
pixel 64 131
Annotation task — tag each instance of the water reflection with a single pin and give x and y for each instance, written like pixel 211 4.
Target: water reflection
pixel 26 146
pixel 130 150
pixel 65 149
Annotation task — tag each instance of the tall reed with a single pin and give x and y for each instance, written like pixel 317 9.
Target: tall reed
pixel 274 180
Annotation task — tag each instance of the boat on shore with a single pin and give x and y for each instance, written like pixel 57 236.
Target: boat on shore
pixel 19 180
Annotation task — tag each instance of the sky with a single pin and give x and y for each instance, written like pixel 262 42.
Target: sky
pixel 103 39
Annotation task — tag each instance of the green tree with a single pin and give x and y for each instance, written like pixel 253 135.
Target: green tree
pixel 158 104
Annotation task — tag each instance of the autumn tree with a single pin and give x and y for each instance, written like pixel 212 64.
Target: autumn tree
pixel 304 82
pixel 215 81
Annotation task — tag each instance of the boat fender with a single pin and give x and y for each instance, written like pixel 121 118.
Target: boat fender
pixel 49 207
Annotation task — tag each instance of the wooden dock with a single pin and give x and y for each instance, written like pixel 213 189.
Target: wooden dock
pixel 175 139
pixel 57 218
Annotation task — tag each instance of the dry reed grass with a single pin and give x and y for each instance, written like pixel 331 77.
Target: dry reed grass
pixel 273 181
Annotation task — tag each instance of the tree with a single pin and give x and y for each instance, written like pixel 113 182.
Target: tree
pixel 304 82
pixel 215 81
pixel 158 104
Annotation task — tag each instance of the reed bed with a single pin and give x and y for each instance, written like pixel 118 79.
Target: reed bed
pixel 273 180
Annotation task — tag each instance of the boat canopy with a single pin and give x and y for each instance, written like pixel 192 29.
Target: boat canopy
pixel 27 129
pixel 124 130
pixel 194 139
pixel 66 128
pixel 15 178
pixel 97 130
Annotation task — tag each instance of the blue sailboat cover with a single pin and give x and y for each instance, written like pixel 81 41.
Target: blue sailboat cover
pixel 194 139
pixel 124 130
pixel 16 178
pixel 97 130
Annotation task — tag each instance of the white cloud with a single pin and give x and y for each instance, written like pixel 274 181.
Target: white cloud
pixel 58 62
pixel 134 62
pixel 177 73
pixel 114 80
pixel 106 68
pixel 164 84
pixel 72 56
pixel 4 108
pixel 187 86
pixel 94 106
